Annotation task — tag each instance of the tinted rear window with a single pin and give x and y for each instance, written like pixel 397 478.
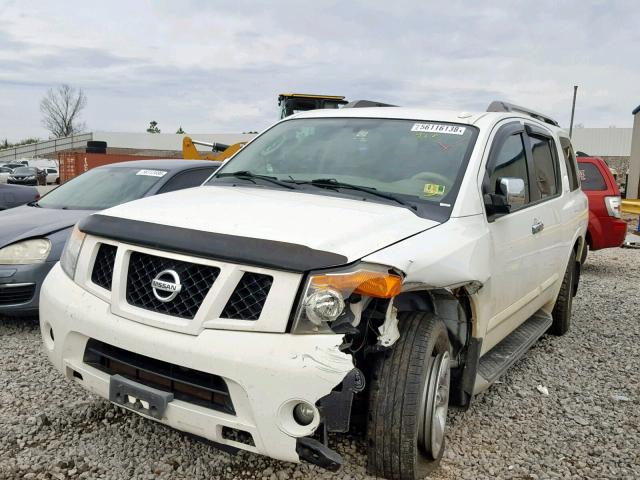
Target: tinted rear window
pixel 590 177
pixel 570 162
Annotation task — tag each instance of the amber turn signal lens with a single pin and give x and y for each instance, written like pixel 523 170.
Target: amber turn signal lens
pixel 373 284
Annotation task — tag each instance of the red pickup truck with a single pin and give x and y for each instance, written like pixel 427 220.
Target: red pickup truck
pixel 606 228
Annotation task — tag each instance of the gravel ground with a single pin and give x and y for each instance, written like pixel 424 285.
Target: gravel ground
pixel 588 426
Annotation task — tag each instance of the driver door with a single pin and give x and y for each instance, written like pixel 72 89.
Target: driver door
pixel 514 280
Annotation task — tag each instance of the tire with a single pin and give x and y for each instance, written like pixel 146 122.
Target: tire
pixel 404 383
pixel 562 309
pixel 98 144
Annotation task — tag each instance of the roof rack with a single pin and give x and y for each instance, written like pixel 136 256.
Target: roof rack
pixel 367 103
pixel 499 106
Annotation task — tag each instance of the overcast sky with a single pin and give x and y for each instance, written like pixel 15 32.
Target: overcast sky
pixel 217 66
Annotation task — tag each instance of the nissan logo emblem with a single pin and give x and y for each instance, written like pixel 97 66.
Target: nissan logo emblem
pixel 166 282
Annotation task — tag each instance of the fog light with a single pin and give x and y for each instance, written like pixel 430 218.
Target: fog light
pixel 303 413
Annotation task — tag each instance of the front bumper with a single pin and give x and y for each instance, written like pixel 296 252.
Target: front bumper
pixel 30 182
pixel 266 373
pixel 13 277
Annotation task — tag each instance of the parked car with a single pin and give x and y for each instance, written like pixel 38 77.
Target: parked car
pixel 606 228
pixel 32 236
pixel 4 174
pixel 15 195
pixel 53 177
pixel 27 176
pixel 382 261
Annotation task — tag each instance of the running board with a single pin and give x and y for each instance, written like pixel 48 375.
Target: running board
pixel 497 360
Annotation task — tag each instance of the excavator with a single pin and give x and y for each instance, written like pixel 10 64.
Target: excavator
pixel 289 104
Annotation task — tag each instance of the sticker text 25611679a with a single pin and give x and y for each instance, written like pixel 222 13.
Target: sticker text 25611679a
pixel 438 128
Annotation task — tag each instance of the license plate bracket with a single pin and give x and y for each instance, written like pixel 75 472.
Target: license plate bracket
pixel 137 397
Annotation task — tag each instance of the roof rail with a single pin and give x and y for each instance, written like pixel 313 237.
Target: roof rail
pixel 499 106
pixel 366 103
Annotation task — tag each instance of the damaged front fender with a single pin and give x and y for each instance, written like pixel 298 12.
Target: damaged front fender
pixel 451 255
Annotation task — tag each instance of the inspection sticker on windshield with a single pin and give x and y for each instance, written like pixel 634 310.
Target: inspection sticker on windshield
pixel 438 128
pixel 152 173
pixel 433 189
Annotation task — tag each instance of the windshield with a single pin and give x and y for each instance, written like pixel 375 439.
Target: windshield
pixel 24 170
pixel 419 161
pixel 102 188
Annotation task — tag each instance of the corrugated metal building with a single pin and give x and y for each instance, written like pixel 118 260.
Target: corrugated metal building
pixel 603 142
pixel 612 144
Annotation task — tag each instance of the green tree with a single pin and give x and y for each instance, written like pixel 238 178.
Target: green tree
pixel 153 127
pixel 180 130
pixel 7 144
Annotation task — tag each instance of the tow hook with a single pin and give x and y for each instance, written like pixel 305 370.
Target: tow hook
pixel 313 451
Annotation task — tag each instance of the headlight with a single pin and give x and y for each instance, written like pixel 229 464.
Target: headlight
pixel 72 248
pixel 35 250
pixel 326 296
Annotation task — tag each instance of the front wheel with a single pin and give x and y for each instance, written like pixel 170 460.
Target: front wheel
pixel 409 400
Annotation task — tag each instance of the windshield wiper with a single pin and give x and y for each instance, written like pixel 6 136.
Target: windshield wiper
pixel 332 183
pixel 247 175
pixel 34 204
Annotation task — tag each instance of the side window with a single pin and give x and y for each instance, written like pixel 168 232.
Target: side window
pixel 591 177
pixel 546 173
pixel 510 161
pixel 570 163
pixel 188 179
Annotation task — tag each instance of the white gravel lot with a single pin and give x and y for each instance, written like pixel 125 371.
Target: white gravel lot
pixel 588 426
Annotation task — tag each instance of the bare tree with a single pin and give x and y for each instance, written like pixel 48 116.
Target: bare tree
pixel 61 109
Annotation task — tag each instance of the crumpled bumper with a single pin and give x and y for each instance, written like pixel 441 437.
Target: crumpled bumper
pixel 266 373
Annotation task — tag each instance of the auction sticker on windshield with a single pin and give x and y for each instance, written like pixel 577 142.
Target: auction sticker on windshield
pixel 438 128
pixel 152 173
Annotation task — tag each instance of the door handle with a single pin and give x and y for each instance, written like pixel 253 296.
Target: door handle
pixel 537 226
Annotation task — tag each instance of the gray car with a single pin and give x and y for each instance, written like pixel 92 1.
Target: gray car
pixel 15 195
pixel 32 236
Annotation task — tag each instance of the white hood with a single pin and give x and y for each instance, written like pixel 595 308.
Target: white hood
pixel 353 228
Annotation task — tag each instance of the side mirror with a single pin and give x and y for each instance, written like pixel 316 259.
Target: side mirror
pixel 513 190
pixel 510 194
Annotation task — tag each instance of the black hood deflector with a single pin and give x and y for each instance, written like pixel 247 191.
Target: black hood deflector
pixel 244 250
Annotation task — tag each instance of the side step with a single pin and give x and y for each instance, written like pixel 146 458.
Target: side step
pixel 497 360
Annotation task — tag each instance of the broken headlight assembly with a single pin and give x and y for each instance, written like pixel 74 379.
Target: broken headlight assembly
pixel 332 301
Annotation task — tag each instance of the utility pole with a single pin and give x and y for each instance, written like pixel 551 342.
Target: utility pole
pixel 573 109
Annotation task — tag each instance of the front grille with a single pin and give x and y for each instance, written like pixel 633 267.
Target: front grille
pixel 248 298
pixel 14 295
pixel 102 274
pixel 193 386
pixel 196 280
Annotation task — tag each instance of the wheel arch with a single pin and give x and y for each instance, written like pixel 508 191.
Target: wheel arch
pixel 453 307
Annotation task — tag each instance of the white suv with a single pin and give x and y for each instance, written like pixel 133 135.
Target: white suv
pixel 379 261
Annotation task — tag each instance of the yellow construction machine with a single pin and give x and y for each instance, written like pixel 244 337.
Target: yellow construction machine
pixel 224 151
pixel 289 104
